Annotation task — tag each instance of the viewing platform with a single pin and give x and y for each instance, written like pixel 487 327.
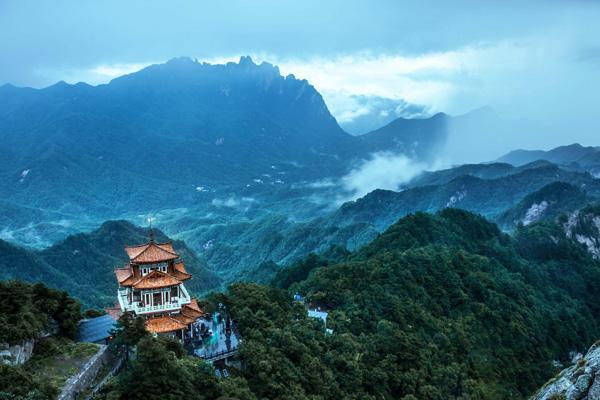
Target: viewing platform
pixel 217 343
pixel 142 308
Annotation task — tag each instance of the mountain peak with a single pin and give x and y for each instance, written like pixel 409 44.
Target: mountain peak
pixel 181 61
pixel 246 60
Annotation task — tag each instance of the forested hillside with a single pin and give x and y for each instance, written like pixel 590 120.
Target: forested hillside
pixel 83 264
pixel 439 307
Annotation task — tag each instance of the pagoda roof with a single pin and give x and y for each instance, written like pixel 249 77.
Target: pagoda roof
pixel 127 277
pixel 156 279
pixel 151 253
pixel 190 313
pixel 123 274
pixel 179 272
pixel 195 306
pixel 164 324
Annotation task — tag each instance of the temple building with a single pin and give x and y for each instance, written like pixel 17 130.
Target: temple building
pixel 151 285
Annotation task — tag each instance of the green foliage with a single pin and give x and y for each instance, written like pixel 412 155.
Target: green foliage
pixel 18 384
pixel 298 271
pixel 440 306
pixel 83 264
pixel 28 310
pixel 559 197
pixel 93 313
pixel 129 330
pixel 54 360
pixel 160 373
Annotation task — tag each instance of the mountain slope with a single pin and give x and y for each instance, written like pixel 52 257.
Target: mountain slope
pixel 545 204
pixel 169 127
pixel 489 197
pixel 447 306
pixel 171 136
pixel 250 235
pixel 83 263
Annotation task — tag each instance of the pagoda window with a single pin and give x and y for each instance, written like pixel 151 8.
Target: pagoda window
pixel 162 267
pixel 145 270
pixel 147 299
pixel 174 291
pixel 157 298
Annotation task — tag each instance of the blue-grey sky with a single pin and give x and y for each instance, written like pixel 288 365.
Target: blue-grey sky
pixel 537 60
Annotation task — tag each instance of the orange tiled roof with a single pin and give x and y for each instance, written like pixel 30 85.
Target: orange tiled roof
pixel 180 273
pixel 151 253
pixel 184 319
pixel 190 313
pixel 154 280
pixel 164 324
pixel 123 274
pixel 195 306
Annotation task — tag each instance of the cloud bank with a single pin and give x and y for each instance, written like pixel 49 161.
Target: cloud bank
pixel 382 171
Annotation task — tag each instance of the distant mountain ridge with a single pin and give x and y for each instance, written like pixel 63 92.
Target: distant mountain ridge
pixel 174 135
pixel 574 155
pixel 508 195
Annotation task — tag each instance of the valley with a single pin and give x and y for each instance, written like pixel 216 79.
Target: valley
pixel 442 279
pixel 244 166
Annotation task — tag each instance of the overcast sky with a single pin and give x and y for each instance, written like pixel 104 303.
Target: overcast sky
pixel 537 60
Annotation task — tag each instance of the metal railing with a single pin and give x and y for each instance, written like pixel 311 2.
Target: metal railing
pixel 219 355
pixel 138 308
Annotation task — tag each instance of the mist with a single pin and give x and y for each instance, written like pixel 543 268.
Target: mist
pixel 384 170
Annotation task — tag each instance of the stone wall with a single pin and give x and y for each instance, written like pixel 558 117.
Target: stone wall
pixel 80 382
pixel 118 365
pixel 16 354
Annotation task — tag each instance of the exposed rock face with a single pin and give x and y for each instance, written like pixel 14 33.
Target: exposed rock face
pixel 16 354
pixel 581 381
pixel 584 227
pixel 534 213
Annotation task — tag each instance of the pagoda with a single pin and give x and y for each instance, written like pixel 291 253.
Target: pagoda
pixel 152 286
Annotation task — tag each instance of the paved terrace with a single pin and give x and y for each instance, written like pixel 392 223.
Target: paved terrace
pixel 220 345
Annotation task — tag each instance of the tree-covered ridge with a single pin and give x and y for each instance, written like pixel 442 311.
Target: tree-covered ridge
pixel 83 264
pixel 442 306
pixel 27 311
pixel 447 306
pixel 548 203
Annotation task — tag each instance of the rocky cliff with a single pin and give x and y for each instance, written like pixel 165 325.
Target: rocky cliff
pixel 584 227
pixel 16 354
pixel 581 381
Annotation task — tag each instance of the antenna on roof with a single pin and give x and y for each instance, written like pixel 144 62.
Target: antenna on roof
pixel 150 219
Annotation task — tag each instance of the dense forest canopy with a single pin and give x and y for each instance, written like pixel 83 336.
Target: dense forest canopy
pixel 442 306
pixel 28 312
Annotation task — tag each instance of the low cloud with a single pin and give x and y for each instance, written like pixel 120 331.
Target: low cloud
pixel 359 114
pixel 233 202
pixel 382 171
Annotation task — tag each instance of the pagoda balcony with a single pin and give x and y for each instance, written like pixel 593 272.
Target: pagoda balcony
pixel 140 308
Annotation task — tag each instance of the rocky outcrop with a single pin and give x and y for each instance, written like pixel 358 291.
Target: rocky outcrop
pixel 583 226
pixel 16 354
pixel 581 381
